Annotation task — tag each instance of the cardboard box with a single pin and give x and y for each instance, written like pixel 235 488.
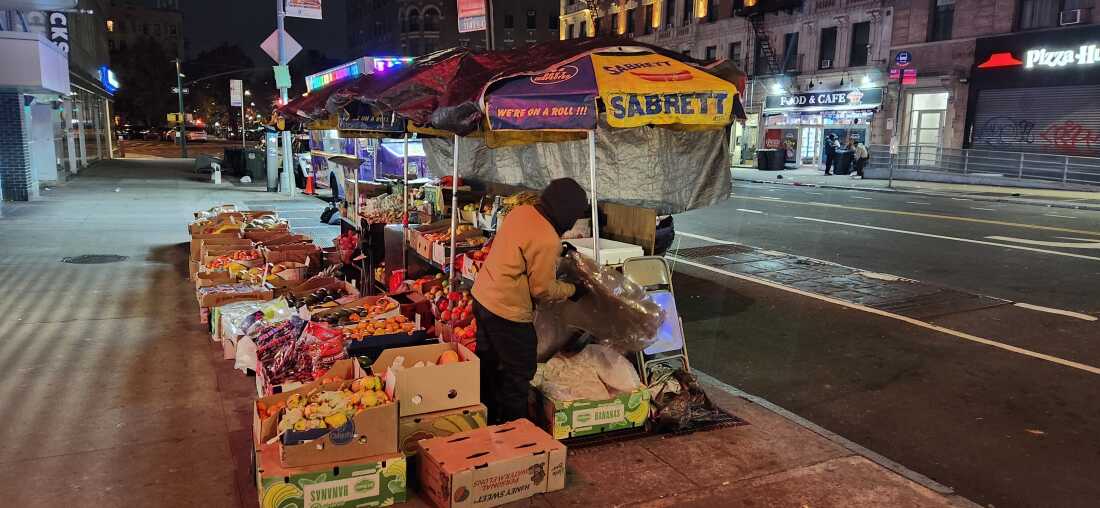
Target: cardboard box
pixel 212 278
pixel 566 419
pixel 222 298
pixel 343 369
pixel 411 429
pixel 197 242
pixel 491 466
pixel 301 253
pixel 372 431
pixel 364 302
pixel 370 481
pixel 432 387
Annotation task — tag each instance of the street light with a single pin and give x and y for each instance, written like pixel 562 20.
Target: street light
pixel 248 92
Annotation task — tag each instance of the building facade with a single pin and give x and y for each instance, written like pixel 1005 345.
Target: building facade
pixel 159 20
pixel 977 87
pixel 55 96
pixel 418 27
pixel 821 70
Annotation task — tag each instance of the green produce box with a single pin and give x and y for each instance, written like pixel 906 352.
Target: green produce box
pixel 373 481
pixel 566 419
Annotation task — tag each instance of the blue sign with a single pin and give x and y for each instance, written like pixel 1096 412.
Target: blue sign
pixel 903 58
pixel 108 79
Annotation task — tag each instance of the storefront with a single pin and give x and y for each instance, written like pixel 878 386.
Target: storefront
pixel 1037 92
pixel 799 123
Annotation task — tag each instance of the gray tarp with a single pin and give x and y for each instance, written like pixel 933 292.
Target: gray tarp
pixel 668 170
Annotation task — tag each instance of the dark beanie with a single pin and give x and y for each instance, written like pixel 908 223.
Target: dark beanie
pixel 563 202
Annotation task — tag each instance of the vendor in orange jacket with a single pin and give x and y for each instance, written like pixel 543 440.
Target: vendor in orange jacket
pixel 519 272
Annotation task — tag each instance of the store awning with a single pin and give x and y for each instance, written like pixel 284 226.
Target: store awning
pixel 32 64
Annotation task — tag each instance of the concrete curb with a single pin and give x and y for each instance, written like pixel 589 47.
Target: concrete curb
pixel 991 199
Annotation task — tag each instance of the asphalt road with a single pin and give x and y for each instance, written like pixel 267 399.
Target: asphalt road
pixel 170 149
pixel 977 246
pixel 999 403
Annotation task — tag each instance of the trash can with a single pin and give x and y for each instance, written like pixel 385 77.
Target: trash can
pixel 764 158
pixel 842 164
pixel 233 162
pixel 255 164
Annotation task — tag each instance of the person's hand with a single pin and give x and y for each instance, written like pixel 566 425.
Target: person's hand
pixel 566 248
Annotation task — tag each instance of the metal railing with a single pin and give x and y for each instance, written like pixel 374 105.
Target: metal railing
pixel 990 163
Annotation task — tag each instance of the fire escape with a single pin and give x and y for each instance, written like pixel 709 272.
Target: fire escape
pixel 764 44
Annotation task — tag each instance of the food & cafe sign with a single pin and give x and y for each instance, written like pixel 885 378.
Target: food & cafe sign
pixel 840 99
pixel 652 89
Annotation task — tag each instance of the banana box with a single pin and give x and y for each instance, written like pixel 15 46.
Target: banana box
pixel 371 481
pixel 576 418
pixel 411 429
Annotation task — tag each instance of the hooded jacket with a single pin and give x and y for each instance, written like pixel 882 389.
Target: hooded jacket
pixel 521 267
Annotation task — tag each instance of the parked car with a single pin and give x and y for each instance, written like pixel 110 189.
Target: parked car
pixel 194 134
pixel 150 135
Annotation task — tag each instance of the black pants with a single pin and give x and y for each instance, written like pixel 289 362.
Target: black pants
pixel 509 353
pixel 829 163
pixel 860 163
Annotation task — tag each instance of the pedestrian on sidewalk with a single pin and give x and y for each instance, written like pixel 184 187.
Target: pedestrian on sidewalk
pixel 861 157
pixel 518 273
pixel 831 146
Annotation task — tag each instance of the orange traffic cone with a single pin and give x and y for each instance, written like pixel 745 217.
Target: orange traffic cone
pixel 309 185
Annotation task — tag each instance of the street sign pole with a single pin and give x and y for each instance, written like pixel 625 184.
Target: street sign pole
pixel 242 127
pixel 895 145
pixel 182 118
pixel 288 155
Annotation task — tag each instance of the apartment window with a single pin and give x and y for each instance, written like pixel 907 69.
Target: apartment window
pixel 531 20
pixel 943 17
pixel 431 20
pixel 122 45
pixel 759 60
pixel 555 22
pixel 648 28
pixel 827 58
pixel 711 53
pixel 509 21
pixel 790 52
pixel 614 23
pixel 414 22
pixel 712 11
pixel 667 17
pixel 689 10
pixel 584 29
pixel 110 25
pixel 111 45
pixel 630 21
pixel 1046 13
pixel 172 30
pixel 734 54
pixel 572 34
pixel 861 43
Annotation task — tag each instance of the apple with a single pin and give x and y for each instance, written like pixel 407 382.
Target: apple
pixel 445 315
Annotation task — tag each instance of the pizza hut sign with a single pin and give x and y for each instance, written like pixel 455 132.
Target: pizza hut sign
pixel 839 99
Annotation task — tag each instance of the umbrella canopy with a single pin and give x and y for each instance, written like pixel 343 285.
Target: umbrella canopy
pixel 636 88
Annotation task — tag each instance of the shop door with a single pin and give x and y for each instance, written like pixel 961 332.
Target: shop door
pixel 810 146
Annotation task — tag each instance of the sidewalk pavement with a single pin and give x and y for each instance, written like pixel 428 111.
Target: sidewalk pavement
pixel 1081 200
pixel 115 395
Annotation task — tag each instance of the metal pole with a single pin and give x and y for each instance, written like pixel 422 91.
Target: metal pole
pixel 404 205
pixel 1020 175
pixel 895 146
pixel 288 155
pixel 592 189
pixel 489 26
pixel 242 125
pixel 966 161
pixel 1065 168
pixel 454 213
pixel 182 118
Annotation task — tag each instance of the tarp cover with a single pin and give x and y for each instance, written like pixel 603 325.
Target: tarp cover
pixel 668 170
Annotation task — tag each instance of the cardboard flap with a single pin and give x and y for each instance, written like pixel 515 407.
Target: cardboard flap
pixel 431 387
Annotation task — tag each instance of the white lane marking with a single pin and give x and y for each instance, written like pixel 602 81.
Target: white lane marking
pixel 1061 216
pixel 769 197
pixel 860 197
pixel 746 210
pixel 918 203
pixel 816 193
pixel 1060 312
pixel 1081 244
pixel 960 199
pixel 966 240
pixel 980 208
pixel 916 322
pixel 707 238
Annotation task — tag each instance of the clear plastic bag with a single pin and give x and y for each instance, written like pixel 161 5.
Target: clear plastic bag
pixel 597 372
pixel 616 311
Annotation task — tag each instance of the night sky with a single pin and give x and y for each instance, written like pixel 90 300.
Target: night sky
pixel 246 23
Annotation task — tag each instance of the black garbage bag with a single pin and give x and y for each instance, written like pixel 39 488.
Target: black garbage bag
pixel 686 409
pixel 666 232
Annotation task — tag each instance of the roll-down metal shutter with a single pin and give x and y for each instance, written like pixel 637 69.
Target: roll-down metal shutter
pixel 1062 120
